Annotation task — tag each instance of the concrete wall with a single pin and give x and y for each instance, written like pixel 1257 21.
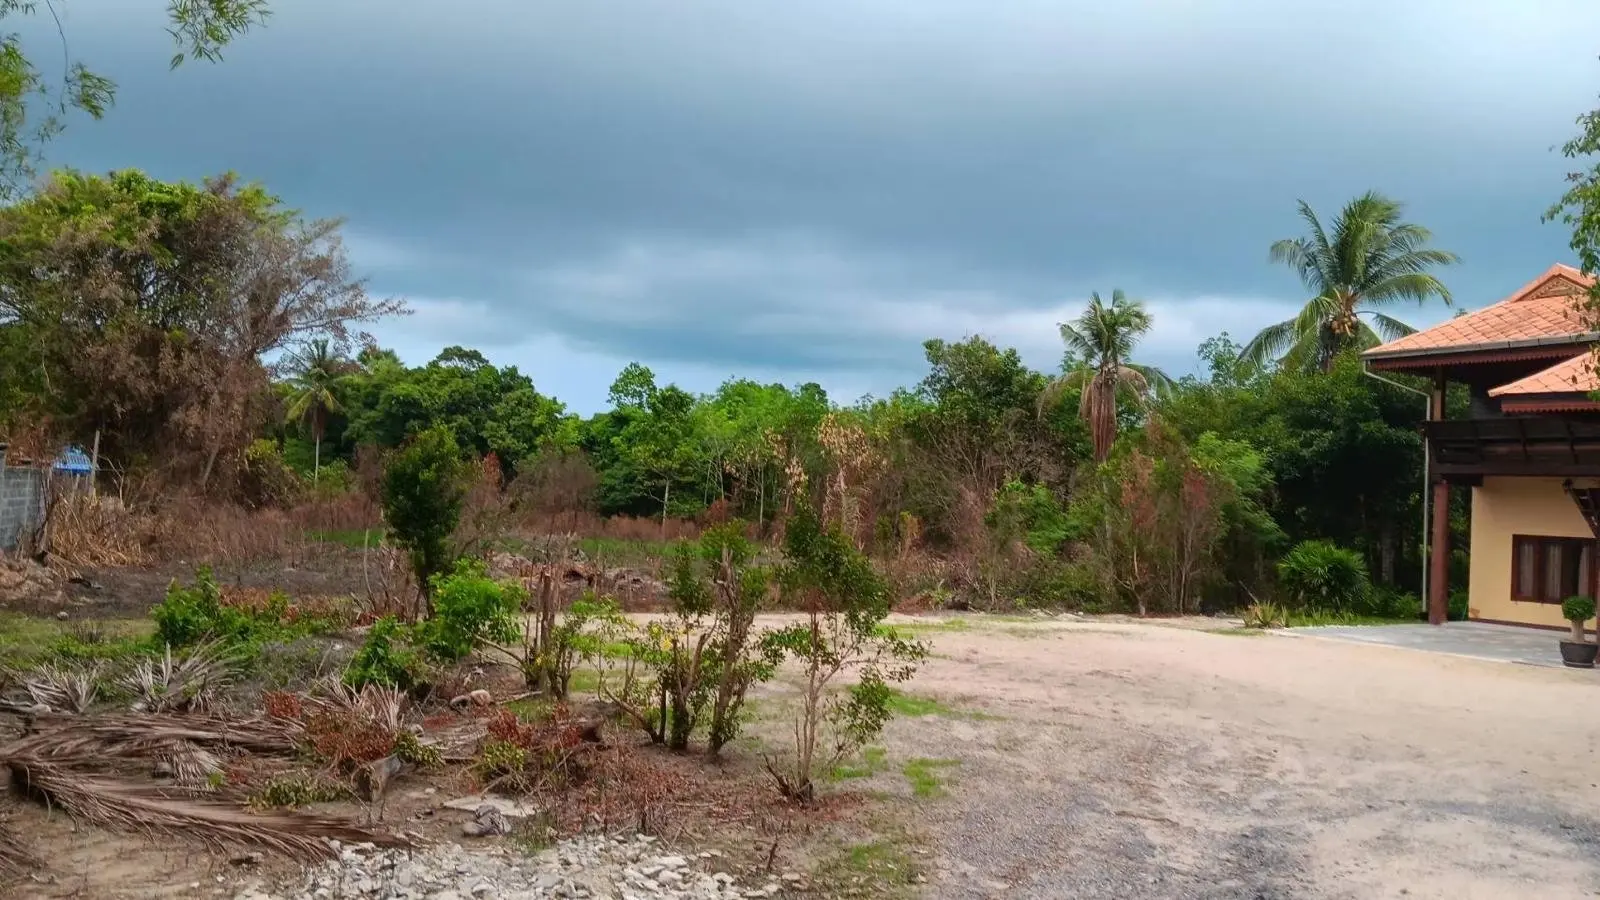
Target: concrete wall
pixel 21 503
pixel 1501 508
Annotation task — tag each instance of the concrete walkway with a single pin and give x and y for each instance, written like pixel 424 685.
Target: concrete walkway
pixel 1502 643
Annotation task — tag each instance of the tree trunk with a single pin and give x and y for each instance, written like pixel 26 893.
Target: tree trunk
pixel 316 458
pixel 1387 551
pixel 666 498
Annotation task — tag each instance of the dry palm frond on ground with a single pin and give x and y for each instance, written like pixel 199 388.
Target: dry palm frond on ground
pixel 132 735
pixel 118 803
pixel 61 689
pixel 187 683
pixel 374 703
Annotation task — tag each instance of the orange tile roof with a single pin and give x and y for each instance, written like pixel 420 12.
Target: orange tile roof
pixel 1543 308
pixel 1575 375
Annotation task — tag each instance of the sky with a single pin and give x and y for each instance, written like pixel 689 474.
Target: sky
pixel 807 191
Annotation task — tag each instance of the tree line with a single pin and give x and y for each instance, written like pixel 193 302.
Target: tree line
pixel 206 338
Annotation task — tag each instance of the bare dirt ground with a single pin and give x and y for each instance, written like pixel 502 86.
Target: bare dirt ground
pixel 1134 760
pixel 1116 759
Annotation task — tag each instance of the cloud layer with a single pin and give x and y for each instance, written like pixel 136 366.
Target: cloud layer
pixel 807 191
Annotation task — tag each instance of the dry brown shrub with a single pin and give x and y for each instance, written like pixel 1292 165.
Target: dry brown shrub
pixel 223 534
pixel 349 511
pixel 389 587
pixel 622 528
pixel 920 581
pixel 85 530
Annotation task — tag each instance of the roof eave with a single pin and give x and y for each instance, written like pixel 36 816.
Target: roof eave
pixel 1587 337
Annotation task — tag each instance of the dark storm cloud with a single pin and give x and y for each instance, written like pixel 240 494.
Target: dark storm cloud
pixel 814 188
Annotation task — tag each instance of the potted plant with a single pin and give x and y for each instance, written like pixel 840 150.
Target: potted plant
pixel 1578 652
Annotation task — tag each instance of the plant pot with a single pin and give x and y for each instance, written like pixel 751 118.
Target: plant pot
pixel 1579 654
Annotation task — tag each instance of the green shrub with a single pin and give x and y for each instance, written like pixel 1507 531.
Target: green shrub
pixel 1325 576
pixel 1578 608
pixel 424 486
pixel 1030 513
pixel 1049 583
pixel 195 613
pixel 470 609
pixel 1388 603
pixel 386 657
pixel 1265 615
pixel 1459 606
pixel 188 615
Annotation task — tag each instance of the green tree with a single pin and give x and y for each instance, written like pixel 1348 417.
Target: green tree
pixel 1341 449
pixel 1369 261
pixel 1103 337
pixel 489 409
pixel 656 439
pixel 314 376
pixel 144 309
pixel 424 486
pixel 33 104
pixel 1579 206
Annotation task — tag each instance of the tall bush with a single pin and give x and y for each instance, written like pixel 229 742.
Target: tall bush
pixel 470 609
pixel 1321 575
pixel 1154 516
pixel 424 486
pixel 844 602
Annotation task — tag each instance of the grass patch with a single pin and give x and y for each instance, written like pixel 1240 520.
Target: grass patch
pixel 873 760
pixel 881 868
pixel 1306 618
pixel 913 629
pixel 923 773
pixel 916 706
pixel 1239 631
pixel 354 538
pixel 622 551
pixel 27 641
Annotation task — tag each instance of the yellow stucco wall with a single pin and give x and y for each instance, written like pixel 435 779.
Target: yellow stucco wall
pixel 1503 507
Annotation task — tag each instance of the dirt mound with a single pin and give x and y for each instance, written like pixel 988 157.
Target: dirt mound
pixel 26 585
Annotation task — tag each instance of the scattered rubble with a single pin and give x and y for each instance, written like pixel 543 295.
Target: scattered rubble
pixel 592 866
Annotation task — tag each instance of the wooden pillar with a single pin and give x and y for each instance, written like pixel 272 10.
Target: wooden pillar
pixel 1439 544
pixel 1439 559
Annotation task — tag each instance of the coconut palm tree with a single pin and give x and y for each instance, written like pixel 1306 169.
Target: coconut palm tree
pixel 313 381
pixel 1102 339
pixel 1370 260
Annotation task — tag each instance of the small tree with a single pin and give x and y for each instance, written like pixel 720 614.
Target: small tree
pixel 739 590
pixel 424 486
pixel 1577 610
pixel 704 654
pixel 844 601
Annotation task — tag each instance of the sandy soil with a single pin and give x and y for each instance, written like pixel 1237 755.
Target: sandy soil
pixel 1133 760
pixel 1118 759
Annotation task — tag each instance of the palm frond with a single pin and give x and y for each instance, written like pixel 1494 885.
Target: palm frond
pixel 1418 286
pixel 1155 380
pixel 63 689
pixel 1388 327
pixel 116 803
pixel 191 682
pixel 1052 393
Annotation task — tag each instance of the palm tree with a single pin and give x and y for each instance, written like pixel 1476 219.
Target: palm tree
pixel 1370 260
pixel 314 376
pixel 1102 339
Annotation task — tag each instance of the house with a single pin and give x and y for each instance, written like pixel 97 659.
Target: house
pixel 1529 448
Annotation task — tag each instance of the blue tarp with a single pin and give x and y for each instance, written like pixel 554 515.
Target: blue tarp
pixel 73 460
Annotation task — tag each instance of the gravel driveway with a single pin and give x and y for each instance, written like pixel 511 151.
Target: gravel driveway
pixel 1135 761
